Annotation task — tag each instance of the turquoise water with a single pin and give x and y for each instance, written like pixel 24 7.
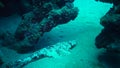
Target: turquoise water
pixel 84 29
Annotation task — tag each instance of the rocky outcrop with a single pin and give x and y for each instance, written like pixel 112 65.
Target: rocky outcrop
pixel 53 51
pixel 110 35
pixel 45 15
pixel 109 38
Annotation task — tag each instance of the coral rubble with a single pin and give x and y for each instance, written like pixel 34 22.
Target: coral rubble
pixel 54 51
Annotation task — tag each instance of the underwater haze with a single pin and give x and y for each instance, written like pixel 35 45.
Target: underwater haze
pixel 60 34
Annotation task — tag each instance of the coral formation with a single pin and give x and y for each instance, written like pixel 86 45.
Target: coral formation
pixel 45 15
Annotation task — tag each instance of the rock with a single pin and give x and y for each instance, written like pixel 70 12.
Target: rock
pixel 109 38
pixel 110 34
pixel 53 51
pixel 45 15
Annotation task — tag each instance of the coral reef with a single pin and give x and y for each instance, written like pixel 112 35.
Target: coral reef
pixel 45 15
pixel 109 38
pixel 54 51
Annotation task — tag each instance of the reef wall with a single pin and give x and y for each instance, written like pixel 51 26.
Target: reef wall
pixel 109 38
